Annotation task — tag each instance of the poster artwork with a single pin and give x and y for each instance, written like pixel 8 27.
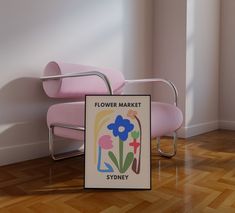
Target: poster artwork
pixel 117 149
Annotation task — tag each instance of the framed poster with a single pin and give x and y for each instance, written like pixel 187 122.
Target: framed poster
pixel 117 147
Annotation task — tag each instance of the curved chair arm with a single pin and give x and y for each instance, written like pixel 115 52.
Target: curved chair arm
pixel 82 74
pixel 169 83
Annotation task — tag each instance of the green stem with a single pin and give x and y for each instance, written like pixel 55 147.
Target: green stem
pixel 120 155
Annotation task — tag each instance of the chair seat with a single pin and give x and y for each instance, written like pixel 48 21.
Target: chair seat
pixel 67 113
pixel 166 118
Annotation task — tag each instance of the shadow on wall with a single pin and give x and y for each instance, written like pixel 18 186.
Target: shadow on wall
pixel 23 107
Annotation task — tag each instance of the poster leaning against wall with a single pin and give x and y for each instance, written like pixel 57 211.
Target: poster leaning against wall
pixel 117 147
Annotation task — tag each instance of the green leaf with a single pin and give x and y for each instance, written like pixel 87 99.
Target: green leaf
pixel 128 161
pixel 120 154
pixel 135 134
pixel 114 159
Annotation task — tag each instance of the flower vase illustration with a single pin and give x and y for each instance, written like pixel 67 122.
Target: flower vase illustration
pixel 121 144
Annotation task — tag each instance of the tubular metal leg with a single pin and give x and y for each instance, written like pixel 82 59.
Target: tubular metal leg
pixel 165 154
pixel 51 143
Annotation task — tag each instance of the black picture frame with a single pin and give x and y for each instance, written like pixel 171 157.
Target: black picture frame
pixel 120 182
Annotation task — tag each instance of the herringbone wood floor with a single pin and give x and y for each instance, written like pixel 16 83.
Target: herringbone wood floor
pixel 201 178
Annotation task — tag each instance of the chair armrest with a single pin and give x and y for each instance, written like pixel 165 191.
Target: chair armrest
pixel 169 83
pixel 82 74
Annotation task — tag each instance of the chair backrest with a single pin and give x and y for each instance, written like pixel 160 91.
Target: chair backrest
pixel 78 87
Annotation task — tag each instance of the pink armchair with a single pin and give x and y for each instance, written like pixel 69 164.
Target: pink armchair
pixel 62 80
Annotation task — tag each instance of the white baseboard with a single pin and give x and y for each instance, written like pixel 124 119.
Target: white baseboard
pixel 23 152
pixel 229 125
pixel 197 129
pixel 181 132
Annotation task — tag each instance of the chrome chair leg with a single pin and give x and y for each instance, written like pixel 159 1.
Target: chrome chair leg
pixel 65 155
pixel 174 148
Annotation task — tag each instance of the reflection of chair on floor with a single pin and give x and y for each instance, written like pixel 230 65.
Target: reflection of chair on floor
pixel 66 120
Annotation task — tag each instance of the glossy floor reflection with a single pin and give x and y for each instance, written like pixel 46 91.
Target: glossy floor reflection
pixel 201 178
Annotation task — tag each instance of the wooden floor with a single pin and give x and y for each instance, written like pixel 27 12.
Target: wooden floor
pixel 201 178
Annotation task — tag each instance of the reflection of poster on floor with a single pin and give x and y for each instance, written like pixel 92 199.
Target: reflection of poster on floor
pixel 117 143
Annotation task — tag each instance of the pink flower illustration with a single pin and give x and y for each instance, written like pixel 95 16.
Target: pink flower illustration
pixel 105 142
pixel 131 114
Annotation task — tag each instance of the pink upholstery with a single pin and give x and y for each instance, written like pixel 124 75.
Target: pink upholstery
pixel 165 119
pixel 79 86
pixel 67 113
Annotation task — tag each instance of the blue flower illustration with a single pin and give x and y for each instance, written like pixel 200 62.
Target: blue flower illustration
pixel 121 127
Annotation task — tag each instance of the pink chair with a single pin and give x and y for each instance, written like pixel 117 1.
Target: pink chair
pixel 62 80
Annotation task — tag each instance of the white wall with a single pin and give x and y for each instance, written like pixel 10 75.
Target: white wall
pixel 170 49
pixel 227 65
pixel 186 51
pixel 202 68
pixel 110 33
pixel 138 42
